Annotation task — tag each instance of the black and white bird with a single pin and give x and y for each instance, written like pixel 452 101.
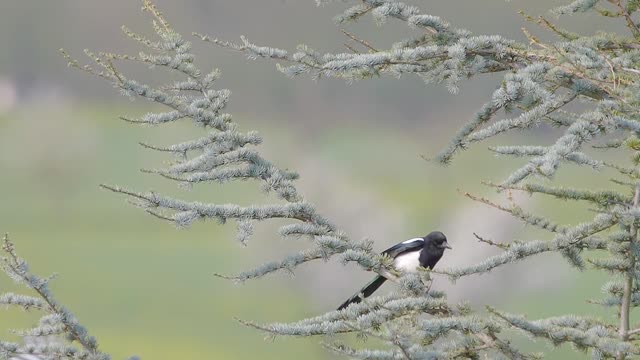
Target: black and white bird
pixel 407 257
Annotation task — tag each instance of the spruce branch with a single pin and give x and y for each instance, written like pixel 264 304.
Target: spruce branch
pixel 520 214
pixel 604 198
pixel 543 83
pixel 585 86
pixel 625 306
pixel 573 239
pixel 223 155
pixel 544 22
pixel 57 321
pixel 583 333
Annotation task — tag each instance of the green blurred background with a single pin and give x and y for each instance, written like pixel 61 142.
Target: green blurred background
pixel 143 287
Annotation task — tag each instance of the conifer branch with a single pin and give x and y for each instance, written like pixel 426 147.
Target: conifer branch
pixel 605 198
pixel 520 214
pixel 57 321
pixel 223 155
pixel 583 333
pixel 586 86
pixel 573 239
pixel 625 306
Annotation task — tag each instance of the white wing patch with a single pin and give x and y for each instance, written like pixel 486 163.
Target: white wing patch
pixel 412 240
pixel 407 262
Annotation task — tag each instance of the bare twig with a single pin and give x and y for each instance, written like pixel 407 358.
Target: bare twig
pixel 365 43
pixel 627 17
pixel 490 242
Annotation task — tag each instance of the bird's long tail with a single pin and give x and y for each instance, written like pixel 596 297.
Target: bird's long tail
pixel 366 291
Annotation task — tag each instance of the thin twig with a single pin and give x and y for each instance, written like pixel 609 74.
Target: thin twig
pixel 353 50
pixel 627 17
pixel 17 268
pixel 490 242
pixel 361 41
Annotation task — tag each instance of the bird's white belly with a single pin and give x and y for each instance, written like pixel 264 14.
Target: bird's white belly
pixel 408 262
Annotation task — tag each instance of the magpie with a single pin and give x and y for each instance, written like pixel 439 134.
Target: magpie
pixel 407 256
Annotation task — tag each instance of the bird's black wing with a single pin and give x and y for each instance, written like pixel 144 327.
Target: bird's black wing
pixel 407 246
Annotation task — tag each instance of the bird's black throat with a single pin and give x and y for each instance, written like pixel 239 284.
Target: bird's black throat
pixel 430 255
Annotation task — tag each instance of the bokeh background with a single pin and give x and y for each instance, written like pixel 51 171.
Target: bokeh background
pixel 145 288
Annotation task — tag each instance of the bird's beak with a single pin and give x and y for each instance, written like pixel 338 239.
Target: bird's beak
pixel 446 245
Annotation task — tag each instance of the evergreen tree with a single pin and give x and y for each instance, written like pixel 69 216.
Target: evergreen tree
pixel 541 83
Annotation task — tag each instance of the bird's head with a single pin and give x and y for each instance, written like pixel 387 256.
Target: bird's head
pixel 436 240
